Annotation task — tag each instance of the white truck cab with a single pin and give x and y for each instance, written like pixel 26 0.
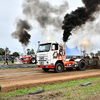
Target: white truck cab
pixel 51 55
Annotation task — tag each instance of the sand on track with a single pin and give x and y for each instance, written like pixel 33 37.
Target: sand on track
pixel 16 79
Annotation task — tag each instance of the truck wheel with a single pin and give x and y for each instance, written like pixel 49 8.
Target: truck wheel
pixel 58 68
pixel 81 65
pixel 33 61
pixel 45 69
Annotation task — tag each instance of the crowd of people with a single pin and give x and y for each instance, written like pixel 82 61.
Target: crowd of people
pixel 7 59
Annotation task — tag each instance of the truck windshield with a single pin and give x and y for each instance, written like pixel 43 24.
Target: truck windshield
pixel 44 47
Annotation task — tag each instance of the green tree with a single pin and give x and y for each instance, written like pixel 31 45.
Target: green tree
pixel 2 51
pixel 28 51
pixel 98 53
pixel 92 54
pixel 15 54
pixel 7 51
pixel 32 51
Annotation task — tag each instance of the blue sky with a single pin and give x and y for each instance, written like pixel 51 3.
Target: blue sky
pixel 10 10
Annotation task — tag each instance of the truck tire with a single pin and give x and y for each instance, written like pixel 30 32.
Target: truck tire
pixel 33 61
pixel 45 69
pixel 58 68
pixel 81 65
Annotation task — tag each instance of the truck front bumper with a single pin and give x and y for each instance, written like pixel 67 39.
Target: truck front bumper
pixel 46 66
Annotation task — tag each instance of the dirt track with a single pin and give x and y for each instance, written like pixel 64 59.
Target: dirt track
pixel 15 79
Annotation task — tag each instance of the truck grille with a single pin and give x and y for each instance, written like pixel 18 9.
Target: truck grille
pixel 41 63
pixel 41 58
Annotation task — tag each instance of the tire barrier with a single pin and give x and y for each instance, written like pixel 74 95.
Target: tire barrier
pixel 36 92
pixel 88 83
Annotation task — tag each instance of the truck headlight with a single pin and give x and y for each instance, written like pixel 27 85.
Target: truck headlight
pixel 52 63
pixel 47 62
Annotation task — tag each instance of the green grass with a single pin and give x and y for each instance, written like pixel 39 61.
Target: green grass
pixel 8 62
pixel 72 90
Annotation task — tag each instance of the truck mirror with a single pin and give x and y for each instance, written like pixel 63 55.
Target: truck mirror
pixel 53 47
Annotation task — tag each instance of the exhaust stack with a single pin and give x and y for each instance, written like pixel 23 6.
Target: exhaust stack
pixel 64 52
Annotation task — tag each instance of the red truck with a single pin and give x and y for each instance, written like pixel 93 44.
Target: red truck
pixel 28 59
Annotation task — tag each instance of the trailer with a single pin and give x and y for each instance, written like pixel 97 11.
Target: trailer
pixel 52 55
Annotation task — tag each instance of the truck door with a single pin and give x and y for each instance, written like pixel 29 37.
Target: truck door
pixel 54 50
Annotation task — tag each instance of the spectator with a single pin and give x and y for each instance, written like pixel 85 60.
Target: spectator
pixel 71 59
pixel 6 61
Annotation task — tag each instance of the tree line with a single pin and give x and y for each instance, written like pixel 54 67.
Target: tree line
pixel 31 52
pixel 7 51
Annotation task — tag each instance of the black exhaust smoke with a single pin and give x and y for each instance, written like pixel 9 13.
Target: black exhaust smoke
pixel 21 32
pixel 79 17
pixel 43 13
